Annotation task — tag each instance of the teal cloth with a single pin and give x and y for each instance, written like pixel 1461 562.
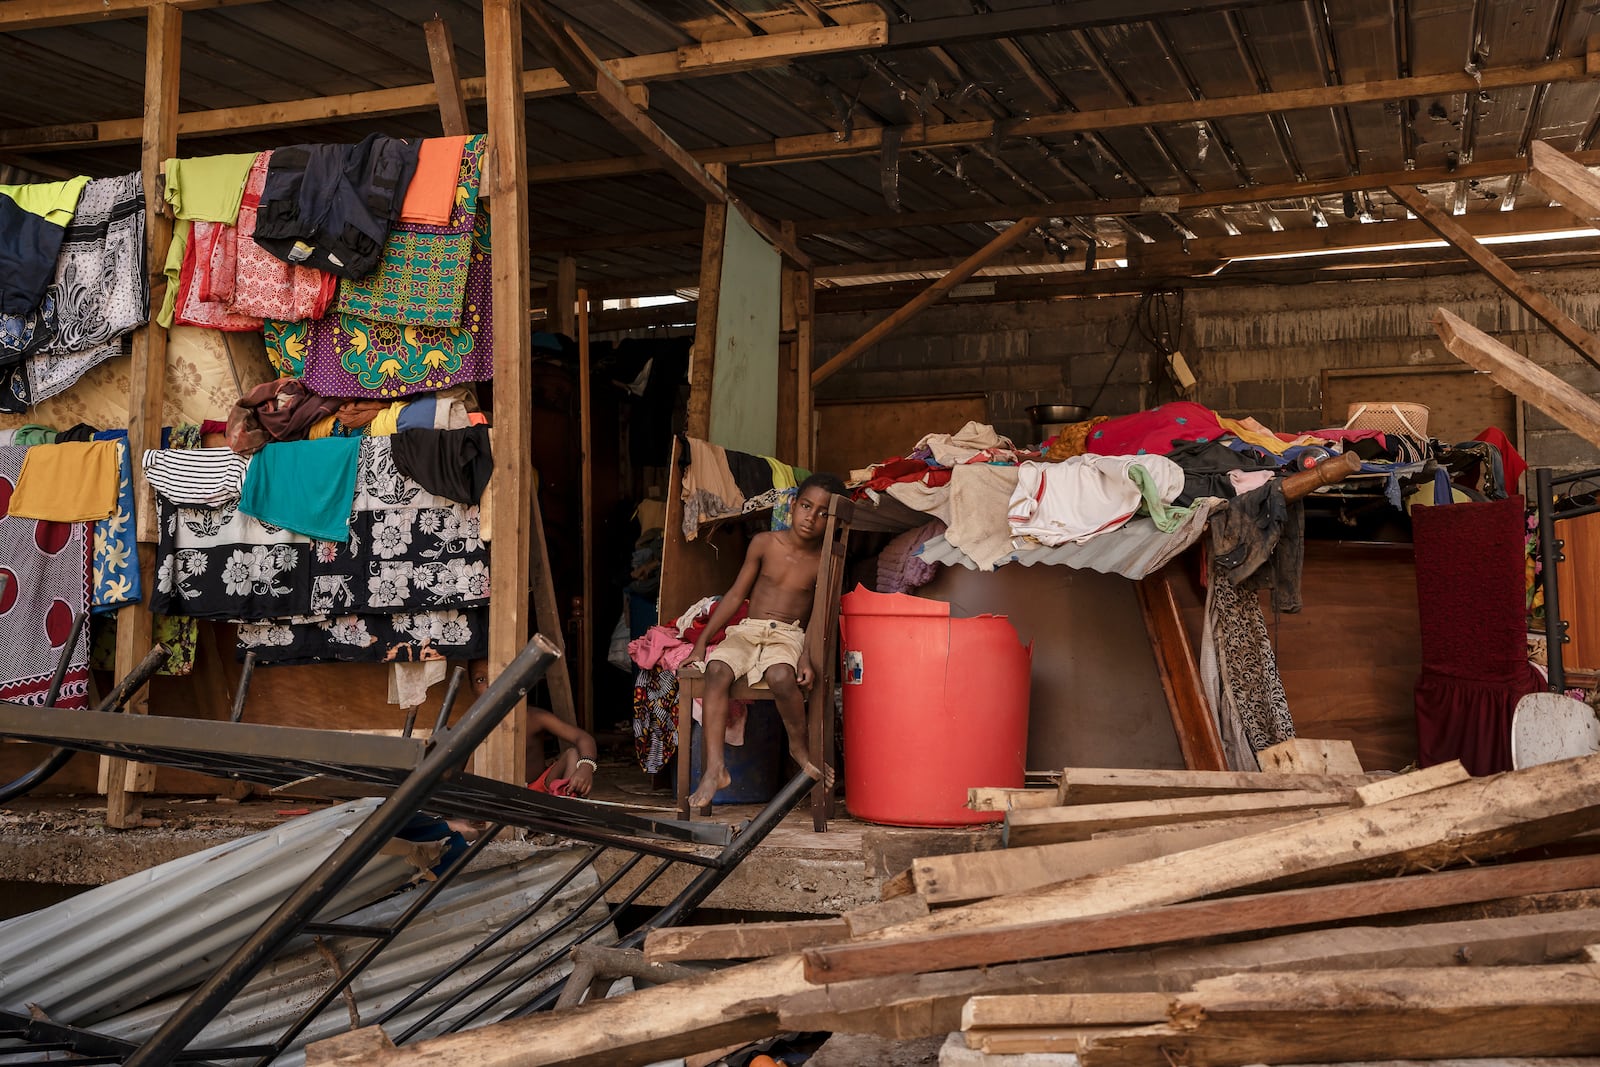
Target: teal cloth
pixel 1166 517
pixel 304 486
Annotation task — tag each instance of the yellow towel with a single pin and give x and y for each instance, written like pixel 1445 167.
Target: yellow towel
pixel 74 482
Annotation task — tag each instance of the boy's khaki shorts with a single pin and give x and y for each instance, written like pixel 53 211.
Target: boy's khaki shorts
pixel 752 646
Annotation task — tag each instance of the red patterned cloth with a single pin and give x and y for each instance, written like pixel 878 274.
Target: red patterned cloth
pixel 193 308
pixel 46 565
pixel 265 286
pixel 1474 645
pixel 1154 432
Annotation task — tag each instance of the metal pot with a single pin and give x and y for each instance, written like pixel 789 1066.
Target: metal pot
pixel 1057 414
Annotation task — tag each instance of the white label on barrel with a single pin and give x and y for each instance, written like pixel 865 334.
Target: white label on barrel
pixel 852 668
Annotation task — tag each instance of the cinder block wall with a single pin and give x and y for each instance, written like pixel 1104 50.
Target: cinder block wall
pixel 1256 350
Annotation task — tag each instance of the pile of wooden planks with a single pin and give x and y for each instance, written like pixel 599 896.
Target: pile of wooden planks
pixel 1166 917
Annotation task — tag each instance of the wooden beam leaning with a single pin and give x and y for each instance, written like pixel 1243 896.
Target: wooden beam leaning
pixel 702 358
pixel 124 782
pixel 927 298
pixel 1562 401
pixel 1541 306
pixel 1566 181
pixel 503 755
pixel 1185 922
pixel 446 79
pixel 1192 718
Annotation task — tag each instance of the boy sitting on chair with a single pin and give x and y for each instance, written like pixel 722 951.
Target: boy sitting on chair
pixel 767 649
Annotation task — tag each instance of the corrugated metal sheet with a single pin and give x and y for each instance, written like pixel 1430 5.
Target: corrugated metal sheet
pixel 119 959
pixel 1134 551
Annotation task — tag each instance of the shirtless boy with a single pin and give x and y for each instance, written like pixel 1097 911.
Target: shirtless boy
pixel 767 649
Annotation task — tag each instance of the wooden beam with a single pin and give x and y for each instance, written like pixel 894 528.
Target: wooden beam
pixel 1486 1013
pixel 591 533
pixel 906 1006
pixel 702 358
pixel 1025 1011
pixel 1110 785
pixel 690 61
pixel 41 14
pixel 1562 401
pixel 125 782
pixel 1309 755
pixel 740 941
pixel 871 140
pixel 1195 921
pixel 547 616
pixel 787 444
pixel 1567 182
pixel 564 297
pixel 805 311
pixel 967 876
pixel 1541 306
pixel 446 78
pixel 503 756
pixel 1404 785
pixel 927 298
pixel 1192 718
pixel 1047 826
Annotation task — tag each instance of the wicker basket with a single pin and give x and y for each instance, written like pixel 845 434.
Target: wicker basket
pixel 1388 416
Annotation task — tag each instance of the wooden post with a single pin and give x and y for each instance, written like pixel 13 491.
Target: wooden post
pixel 503 755
pixel 805 318
pixel 788 440
pixel 547 616
pixel 446 79
pixel 563 297
pixel 586 444
pixel 1192 719
pixel 703 357
pixel 1542 307
pixel 928 297
pixel 124 782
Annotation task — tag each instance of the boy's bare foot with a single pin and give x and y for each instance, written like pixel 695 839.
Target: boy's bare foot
pixel 714 779
pixel 825 775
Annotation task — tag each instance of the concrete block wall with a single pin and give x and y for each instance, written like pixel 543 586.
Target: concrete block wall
pixel 1256 350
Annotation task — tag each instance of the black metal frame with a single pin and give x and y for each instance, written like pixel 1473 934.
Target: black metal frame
pixel 417 776
pixel 1551 552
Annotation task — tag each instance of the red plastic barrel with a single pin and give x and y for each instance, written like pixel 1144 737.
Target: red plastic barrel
pixel 933 706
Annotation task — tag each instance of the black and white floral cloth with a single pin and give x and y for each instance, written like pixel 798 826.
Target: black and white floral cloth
pixel 219 563
pixel 399 638
pixel 406 559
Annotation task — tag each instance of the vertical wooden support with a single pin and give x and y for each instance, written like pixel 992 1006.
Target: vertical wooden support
pixel 564 297
pixel 704 354
pixel 788 387
pixel 502 755
pixel 1192 720
pixel 805 317
pixel 586 443
pixel 446 79
pixel 125 782
pixel 547 617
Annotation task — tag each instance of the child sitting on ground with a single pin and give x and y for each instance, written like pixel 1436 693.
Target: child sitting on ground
pixel 767 649
pixel 572 772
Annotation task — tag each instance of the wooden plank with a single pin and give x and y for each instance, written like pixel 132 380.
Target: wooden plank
pixel 906 1006
pixel 125 782
pixel 1554 396
pixel 1063 1009
pixel 997 798
pixel 870 917
pixel 1565 181
pixel 1106 785
pixel 1540 306
pixel 1192 718
pixel 563 301
pixel 927 298
pixel 965 877
pixel 740 941
pixel 39 14
pixel 1016 1042
pixel 503 756
pixel 788 430
pixel 547 616
pixel 1469 821
pixel 1306 755
pixel 703 356
pixel 898 885
pixel 1404 785
pixel 912 954
pixel 591 532
pixel 805 310
pixel 1412 1013
pixel 1046 826
pixel 446 78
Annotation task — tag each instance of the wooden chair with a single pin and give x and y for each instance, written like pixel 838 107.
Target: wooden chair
pixel 822 645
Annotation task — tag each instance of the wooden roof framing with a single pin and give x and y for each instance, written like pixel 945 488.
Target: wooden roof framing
pixel 886 131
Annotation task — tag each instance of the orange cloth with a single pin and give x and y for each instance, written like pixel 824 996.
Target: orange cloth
pixel 72 482
pixel 432 193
